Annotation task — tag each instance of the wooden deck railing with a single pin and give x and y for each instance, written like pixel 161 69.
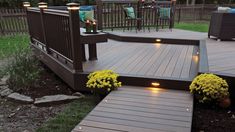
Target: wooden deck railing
pixel 57 33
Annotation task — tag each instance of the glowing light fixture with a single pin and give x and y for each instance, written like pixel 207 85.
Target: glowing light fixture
pixel 197 53
pixel 155 84
pixel 73 6
pixel 42 5
pixel 26 4
pixel 158 40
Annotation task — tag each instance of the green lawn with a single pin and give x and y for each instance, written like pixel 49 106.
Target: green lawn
pixel 9 44
pixel 71 116
pixel 199 27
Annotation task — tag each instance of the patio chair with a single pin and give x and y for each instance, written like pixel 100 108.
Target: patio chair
pixel 131 18
pixel 165 13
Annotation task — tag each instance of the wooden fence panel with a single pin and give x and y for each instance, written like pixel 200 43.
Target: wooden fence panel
pixel 13 21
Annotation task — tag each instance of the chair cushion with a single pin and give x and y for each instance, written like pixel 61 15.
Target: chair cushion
pixel 130 12
pixel 82 16
pixel 86 13
pixel 89 15
pixel 165 12
pixel 232 10
pixel 86 8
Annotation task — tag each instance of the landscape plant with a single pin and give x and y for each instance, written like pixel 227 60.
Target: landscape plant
pixel 103 81
pixel 23 69
pixel 209 87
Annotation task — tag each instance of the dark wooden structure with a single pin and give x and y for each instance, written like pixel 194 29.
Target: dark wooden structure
pixel 58 42
pixel 138 109
pixel 222 25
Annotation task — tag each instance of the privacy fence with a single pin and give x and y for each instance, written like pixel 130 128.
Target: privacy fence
pixel 13 21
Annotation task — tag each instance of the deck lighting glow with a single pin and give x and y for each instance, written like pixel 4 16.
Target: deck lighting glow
pixel 158 40
pixel 42 5
pixel 155 84
pixel 26 4
pixel 73 6
pixel 154 90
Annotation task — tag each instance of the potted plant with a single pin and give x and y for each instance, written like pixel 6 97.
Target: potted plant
pixel 210 88
pixel 103 82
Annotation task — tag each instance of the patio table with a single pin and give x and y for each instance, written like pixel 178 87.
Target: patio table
pixel 91 40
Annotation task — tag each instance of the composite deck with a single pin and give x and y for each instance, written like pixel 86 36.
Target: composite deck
pixel 177 62
pixel 221 55
pixel 135 109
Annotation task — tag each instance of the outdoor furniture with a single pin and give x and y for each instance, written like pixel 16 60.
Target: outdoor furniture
pixel 131 18
pixel 222 25
pixel 91 40
pixel 165 13
pixel 150 14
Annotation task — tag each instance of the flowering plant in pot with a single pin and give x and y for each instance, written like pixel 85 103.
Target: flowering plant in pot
pixel 210 88
pixel 103 82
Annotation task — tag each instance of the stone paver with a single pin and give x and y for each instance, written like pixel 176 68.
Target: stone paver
pixel 20 98
pixel 54 99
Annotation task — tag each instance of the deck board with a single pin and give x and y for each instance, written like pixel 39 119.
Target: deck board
pixel 141 59
pixel 155 110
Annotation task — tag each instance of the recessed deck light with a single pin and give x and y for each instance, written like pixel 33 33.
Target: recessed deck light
pixel 158 40
pixel 155 84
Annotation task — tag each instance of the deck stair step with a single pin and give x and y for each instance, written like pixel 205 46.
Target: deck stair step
pixel 138 109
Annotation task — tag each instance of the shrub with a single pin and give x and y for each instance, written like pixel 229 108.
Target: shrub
pixel 104 80
pixel 23 69
pixel 209 87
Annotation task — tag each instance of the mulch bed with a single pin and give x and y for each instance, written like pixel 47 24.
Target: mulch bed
pixel 211 118
pixel 47 84
pixel 18 117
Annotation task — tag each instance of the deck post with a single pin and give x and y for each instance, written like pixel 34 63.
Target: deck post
pixel 42 6
pixel 99 14
pixel 74 23
pixel 26 5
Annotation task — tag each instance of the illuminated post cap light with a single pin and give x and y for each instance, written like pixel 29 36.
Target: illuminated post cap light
pixel 73 6
pixel 158 40
pixel 26 4
pixel 155 84
pixel 42 5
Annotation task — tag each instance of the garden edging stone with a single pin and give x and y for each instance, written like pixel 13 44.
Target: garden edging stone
pixel 5 92
pixel 54 99
pixel 20 98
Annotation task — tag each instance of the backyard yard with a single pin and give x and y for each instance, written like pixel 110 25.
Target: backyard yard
pixel 148 73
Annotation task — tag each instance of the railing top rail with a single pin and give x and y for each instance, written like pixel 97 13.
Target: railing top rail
pixel 57 12
pixel 119 1
pixel 50 11
pixel 34 9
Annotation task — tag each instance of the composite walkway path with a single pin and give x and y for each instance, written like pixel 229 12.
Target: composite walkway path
pixel 138 109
